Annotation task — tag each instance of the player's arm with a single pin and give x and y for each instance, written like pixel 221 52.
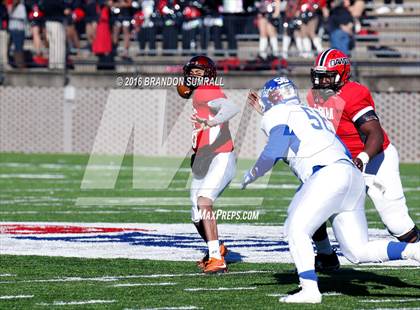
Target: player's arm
pixel 276 148
pixel 368 125
pixel 225 110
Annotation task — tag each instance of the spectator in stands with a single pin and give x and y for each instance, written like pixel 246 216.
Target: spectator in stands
pixel 37 22
pixel 121 10
pixel 55 11
pixel 231 8
pixel 91 8
pixel 4 17
pixel 341 24
pixel 145 27
pixel 308 20
pixel 357 7
pixel 212 26
pixel 268 22
pixel 70 23
pixel 191 25
pixel 385 9
pixel 17 22
pixel 169 11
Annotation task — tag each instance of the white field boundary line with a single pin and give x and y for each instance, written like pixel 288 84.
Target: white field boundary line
pixel 144 284
pixel 81 302
pixel 118 278
pixel 6 297
pixel 7 275
pixel 199 289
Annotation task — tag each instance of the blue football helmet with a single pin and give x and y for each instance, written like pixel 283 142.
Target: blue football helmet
pixel 279 90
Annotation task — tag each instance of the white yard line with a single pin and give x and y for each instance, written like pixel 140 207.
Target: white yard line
pixel 386 268
pixel 118 278
pixel 81 302
pixel 169 308
pixel 163 201
pixel 31 176
pixel 7 275
pixel 144 284
pixel 196 289
pixel 389 300
pixel 16 297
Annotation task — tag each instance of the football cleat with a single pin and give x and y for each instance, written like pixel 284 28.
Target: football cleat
pixel 327 262
pixel 202 262
pixel 214 265
pixel 304 297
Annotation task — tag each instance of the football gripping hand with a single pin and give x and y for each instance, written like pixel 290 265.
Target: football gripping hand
pixel 249 177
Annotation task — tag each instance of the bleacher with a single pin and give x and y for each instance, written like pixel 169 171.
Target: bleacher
pixel 388 39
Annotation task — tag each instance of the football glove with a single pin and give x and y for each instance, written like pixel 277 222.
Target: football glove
pixel 249 177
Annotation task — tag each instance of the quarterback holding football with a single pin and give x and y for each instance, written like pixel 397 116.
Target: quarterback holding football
pixel 213 162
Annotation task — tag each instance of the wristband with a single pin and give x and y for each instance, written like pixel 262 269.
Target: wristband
pixel 364 157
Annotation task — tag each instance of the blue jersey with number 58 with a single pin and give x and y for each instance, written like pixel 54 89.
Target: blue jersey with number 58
pixel 300 136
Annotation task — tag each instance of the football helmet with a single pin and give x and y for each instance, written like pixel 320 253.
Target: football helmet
pixel 201 62
pixel 279 90
pixel 331 70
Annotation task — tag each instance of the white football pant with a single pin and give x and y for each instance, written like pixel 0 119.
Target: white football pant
pixel 221 171
pixel 335 192
pixel 382 176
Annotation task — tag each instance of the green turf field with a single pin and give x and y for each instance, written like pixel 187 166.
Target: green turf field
pixel 47 187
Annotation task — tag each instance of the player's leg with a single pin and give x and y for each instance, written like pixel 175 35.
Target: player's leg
pixel 313 204
pixel 386 191
pixel 326 259
pixel 351 230
pixel 219 175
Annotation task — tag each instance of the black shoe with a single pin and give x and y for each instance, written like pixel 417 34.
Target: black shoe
pixel 326 262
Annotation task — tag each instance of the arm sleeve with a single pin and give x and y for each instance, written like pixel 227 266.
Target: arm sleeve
pixel 276 148
pixel 225 109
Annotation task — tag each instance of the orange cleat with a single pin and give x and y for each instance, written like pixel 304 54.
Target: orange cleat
pixel 202 262
pixel 214 265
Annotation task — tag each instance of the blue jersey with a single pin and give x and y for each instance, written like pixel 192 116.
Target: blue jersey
pixel 301 137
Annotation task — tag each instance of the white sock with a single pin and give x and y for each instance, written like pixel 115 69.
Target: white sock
pixel 324 246
pixel 311 285
pixel 299 45
pixel 318 44
pixel 411 251
pixel 307 47
pixel 274 45
pixel 214 249
pixel 263 47
pixel 285 45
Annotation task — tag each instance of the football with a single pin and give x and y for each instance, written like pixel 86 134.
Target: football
pixel 184 91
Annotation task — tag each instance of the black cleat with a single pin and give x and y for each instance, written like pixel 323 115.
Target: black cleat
pixel 326 262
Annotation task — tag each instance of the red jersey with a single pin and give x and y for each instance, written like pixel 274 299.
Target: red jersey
pixel 343 109
pixel 219 135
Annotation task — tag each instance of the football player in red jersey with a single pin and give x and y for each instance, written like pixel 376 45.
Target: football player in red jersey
pixel 349 105
pixel 213 162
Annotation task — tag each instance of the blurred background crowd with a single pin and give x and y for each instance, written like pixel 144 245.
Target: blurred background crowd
pixel 51 32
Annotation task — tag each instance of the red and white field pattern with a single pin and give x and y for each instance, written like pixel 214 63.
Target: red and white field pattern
pixel 174 242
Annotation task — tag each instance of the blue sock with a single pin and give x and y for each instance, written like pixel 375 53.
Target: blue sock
pixel 395 249
pixel 309 275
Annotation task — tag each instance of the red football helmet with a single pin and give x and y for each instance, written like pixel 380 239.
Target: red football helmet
pixel 201 62
pixel 331 70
